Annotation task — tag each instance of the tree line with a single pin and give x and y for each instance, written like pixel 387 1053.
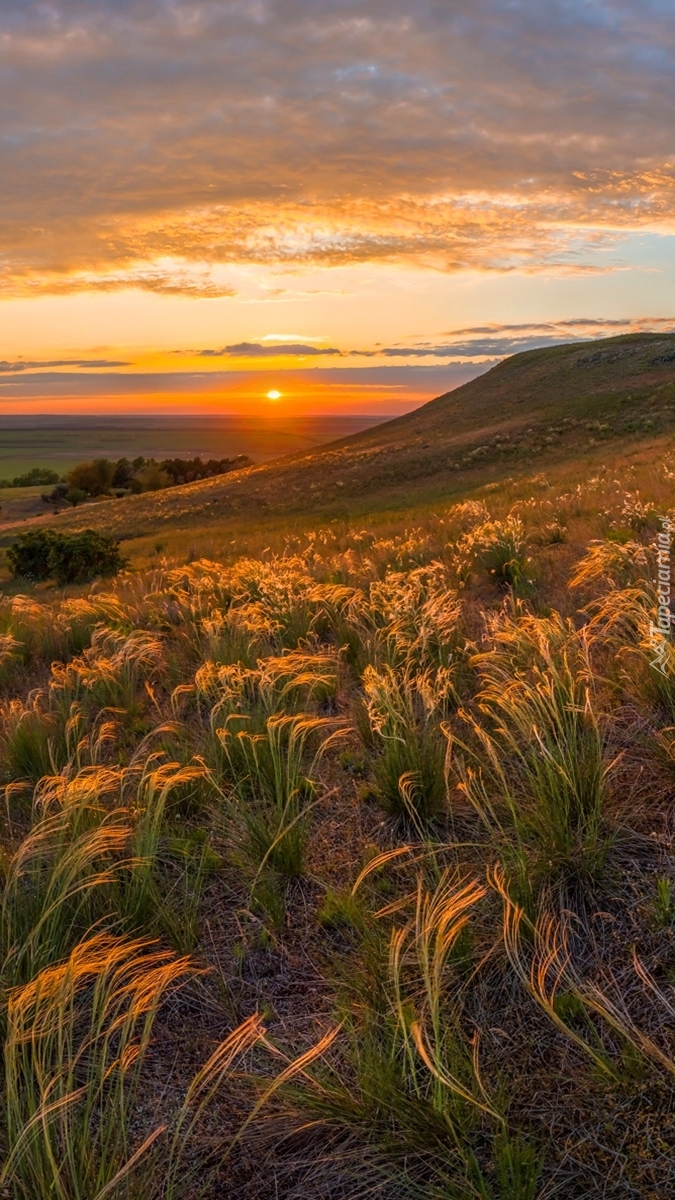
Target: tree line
pixel 124 476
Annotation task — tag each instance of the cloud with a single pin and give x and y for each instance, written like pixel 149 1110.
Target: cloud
pixel 254 350
pixel 146 143
pixel 14 368
pixel 598 326
pixel 498 341
pixel 396 387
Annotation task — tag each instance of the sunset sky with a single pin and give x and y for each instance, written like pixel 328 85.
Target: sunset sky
pixel 355 205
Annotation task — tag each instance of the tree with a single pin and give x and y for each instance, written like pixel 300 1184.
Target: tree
pixel 123 473
pixel 150 478
pixel 93 478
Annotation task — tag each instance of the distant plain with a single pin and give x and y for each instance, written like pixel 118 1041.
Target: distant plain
pixel 59 442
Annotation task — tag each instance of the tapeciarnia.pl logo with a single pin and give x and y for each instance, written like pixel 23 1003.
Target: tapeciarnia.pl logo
pixel 659 632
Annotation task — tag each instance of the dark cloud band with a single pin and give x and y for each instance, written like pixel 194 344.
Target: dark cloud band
pixel 272 350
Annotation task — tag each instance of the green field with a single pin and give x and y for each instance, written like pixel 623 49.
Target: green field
pixel 61 442
pixel 337 834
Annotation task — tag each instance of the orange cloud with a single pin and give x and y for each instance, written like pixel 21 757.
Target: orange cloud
pixel 152 145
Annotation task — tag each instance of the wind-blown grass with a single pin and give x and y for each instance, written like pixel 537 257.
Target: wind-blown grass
pixel 404 709
pixel 538 768
pixel 452 1004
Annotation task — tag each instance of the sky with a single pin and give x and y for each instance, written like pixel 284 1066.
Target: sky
pixel 298 206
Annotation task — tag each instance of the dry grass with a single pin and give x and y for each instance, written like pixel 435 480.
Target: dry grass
pixel 322 867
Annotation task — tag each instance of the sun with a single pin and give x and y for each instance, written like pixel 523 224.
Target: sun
pixel 274 395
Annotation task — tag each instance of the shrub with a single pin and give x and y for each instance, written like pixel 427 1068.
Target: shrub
pixel 29 557
pixel 76 496
pixel 82 556
pixel 69 558
pixel 31 478
pixel 57 494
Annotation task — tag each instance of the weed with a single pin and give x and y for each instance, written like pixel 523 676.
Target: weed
pixel 664 901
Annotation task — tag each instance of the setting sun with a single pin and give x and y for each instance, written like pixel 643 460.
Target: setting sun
pixel 274 395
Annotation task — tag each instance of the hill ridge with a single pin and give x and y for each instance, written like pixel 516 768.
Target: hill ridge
pixel 539 406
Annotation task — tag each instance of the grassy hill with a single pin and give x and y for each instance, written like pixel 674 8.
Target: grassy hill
pixel 342 865
pixel 534 410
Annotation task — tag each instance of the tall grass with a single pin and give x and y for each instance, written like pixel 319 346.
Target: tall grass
pixel 272 788
pixel 498 548
pixel 614 564
pixel 407 1083
pixel 78 1071
pixel 404 709
pixel 630 645
pixel 290 682
pixel 97 850
pixel 538 768
pixel 172 785
pixel 410 620
pixel 595 1016
pixel 77 1037
pixel 109 674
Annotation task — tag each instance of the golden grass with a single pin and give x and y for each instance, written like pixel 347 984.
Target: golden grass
pixel 382 784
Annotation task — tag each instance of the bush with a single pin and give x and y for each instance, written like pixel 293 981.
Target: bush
pixel 29 557
pixel 68 558
pixel 79 557
pixel 75 496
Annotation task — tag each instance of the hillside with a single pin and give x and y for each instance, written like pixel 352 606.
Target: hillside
pixel 534 409
pixel 337 854
pixel 342 865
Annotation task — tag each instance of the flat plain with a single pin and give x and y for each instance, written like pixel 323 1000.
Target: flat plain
pixel 60 442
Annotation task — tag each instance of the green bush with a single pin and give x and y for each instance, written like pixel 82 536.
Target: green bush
pixel 78 557
pixel 29 557
pixel 75 496
pixel 68 558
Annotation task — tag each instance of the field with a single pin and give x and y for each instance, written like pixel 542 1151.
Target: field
pixel 337 851
pixel 61 442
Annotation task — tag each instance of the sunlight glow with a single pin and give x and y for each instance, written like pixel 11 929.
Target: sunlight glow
pixel 274 395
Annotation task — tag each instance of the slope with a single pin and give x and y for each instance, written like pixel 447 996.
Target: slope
pixel 534 409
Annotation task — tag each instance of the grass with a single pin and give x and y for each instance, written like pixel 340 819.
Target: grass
pixel 180 754
pixel 539 766
pixel 338 861
pixel 403 709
